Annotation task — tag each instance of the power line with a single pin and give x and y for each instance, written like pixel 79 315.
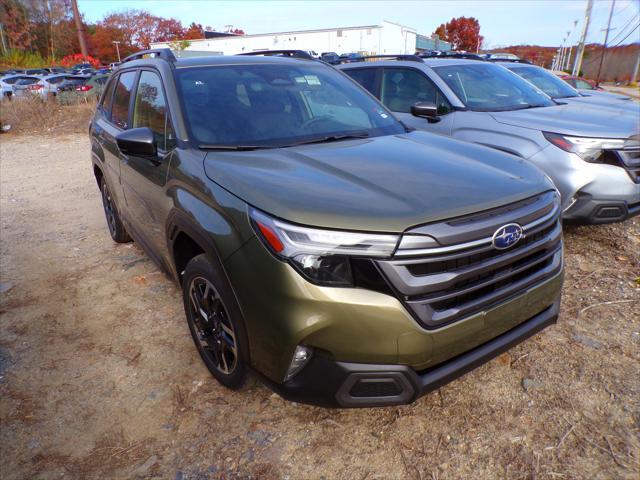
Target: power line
pixel 597 57
pixel 624 28
pixel 627 36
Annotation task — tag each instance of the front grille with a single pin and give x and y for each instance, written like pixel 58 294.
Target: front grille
pixel 450 282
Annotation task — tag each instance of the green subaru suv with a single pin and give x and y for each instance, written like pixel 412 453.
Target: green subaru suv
pixel 345 259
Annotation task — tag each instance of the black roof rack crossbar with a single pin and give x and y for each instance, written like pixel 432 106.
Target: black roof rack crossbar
pixel 281 53
pixel 400 57
pixel 163 53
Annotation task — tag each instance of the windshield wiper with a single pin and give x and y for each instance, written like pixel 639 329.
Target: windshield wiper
pixel 524 107
pixel 233 147
pixel 330 138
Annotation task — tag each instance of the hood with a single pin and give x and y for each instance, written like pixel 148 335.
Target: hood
pixel 384 184
pixel 607 101
pixel 604 95
pixel 577 119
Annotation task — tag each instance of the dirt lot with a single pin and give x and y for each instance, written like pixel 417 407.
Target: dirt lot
pixel 99 378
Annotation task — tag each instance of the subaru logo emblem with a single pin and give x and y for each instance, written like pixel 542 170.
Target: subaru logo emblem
pixel 507 236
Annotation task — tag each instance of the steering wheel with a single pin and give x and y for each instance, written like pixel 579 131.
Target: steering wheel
pixel 315 120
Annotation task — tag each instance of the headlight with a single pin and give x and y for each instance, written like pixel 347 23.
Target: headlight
pixel 589 149
pixel 322 256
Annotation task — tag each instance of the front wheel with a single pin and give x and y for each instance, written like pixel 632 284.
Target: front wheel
pixel 214 321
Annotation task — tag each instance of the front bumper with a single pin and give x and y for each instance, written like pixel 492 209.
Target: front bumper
pixel 591 193
pixel 593 211
pixel 356 326
pixel 330 383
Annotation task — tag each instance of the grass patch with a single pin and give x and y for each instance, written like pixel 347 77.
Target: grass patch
pixel 33 115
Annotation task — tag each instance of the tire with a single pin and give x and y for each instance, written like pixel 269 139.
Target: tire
pixel 215 322
pixel 116 228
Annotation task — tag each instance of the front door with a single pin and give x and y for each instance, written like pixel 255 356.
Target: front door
pixel 402 87
pixel 143 178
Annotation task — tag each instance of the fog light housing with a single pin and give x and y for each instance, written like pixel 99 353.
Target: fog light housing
pixel 301 356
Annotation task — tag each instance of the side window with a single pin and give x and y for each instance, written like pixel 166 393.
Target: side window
pixel 107 100
pixel 365 77
pixel 55 80
pixel 13 80
pixel 583 85
pixel 150 110
pixel 403 87
pixel 120 108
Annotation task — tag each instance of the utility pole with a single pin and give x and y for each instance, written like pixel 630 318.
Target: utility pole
pixel 3 40
pixel 79 28
pixel 117 44
pixel 570 37
pixel 634 75
pixel 563 54
pixel 604 45
pixel 585 28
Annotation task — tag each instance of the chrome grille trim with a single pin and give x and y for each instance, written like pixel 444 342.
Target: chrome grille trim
pixel 450 283
pixel 475 243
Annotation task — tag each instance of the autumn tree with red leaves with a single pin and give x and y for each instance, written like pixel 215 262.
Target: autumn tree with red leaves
pixel 193 32
pixel 463 33
pixel 46 28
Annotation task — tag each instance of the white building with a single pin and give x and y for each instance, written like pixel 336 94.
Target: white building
pixel 387 38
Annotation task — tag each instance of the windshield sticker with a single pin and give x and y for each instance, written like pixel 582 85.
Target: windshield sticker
pixel 312 80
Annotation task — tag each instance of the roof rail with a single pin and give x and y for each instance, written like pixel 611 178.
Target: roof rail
pixel 468 56
pixel 510 60
pixel 281 53
pixel 163 53
pixel 399 57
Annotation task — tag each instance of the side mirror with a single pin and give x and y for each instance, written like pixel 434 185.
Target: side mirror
pixel 424 109
pixel 138 142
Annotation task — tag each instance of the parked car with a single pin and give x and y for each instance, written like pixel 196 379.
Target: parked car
pixel 93 86
pixel 580 83
pixel 350 57
pixel 52 70
pixel 85 72
pixel 560 90
pixel 36 71
pixel 7 82
pixel 501 56
pixel 114 65
pixel 22 87
pixel 70 83
pixel 592 154
pixel 48 85
pixel 348 261
pixel 330 57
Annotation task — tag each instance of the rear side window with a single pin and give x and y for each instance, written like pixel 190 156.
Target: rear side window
pixel 13 80
pixel 107 100
pixel 365 77
pixel 121 99
pixel 583 85
pixel 150 110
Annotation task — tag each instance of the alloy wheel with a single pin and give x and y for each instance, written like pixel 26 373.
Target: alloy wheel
pixel 108 208
pixel 214 330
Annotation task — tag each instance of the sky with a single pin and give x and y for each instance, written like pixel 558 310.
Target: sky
pixel 502 22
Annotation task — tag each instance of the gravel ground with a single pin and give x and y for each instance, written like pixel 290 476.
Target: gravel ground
pixel 99 377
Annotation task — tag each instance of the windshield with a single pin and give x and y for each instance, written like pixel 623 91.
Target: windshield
pixel 275 105
pixel 485 87
pixel 545 81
